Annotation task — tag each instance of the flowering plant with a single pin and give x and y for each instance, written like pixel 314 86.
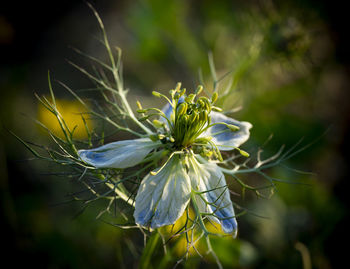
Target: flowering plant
pixel 189 135
pixel 182 153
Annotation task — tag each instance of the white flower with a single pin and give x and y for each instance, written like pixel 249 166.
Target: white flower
pixel 192 134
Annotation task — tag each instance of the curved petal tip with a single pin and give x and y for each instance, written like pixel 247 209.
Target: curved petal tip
pixel 223 137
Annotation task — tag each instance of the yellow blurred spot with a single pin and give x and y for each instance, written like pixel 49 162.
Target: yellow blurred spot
pixel 172 229
pixel 189 243
pixel 184 245
pixel 70 110
pixel 214 227
pixel 180 240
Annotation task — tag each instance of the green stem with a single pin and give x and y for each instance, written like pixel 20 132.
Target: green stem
pixel 198 214
pixel 131 113
pixel 148 251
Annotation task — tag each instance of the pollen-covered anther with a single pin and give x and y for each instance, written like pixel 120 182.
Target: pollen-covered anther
pixel 205 103
pixel 158 123
pixel 199 89
pixel 232 127
pixel 243 153
pixel 189 99
pixel 203 116
pixel 161 136
pixel 156 94
pixel 216 109
pixel 172 93
pixel 183 92
pixel 139 106
pixel 178 87
pixel 182 109
pixel 214 97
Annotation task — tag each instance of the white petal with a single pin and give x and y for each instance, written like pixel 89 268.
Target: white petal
pixel 223 137
pixel 121 154
pixel 167 109
pixel 208 179
pixel 163 198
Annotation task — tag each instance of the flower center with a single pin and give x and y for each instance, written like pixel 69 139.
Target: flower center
pixel 186 118
pixel 190 118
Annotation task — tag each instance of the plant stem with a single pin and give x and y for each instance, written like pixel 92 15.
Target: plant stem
pixel 148 251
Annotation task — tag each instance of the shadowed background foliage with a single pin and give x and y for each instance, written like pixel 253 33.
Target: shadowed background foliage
pixel 290 73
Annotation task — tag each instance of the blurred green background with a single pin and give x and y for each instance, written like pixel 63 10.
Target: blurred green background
pixel 290 73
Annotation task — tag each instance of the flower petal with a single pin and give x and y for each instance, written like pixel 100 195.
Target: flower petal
pixel 162 198
pixel 167 109
pixel 121 154
pixel 223 137
pixel 208 179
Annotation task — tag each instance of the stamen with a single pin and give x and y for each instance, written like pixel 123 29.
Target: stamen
pixel 158 94
pixel 160 113
pixel 243 152
pixel 158 123
pixel 216 109
pixel 178 87
pixel 153 173
pixel 232 127
pixel 217 151
pixel 139 106
pixel 182 108
pixel 214 97
pixel 189 99
pixel 199 89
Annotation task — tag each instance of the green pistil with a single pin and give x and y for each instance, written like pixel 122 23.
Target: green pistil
pixel 190 118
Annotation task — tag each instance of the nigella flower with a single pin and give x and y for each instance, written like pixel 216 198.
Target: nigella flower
pixel 191 132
